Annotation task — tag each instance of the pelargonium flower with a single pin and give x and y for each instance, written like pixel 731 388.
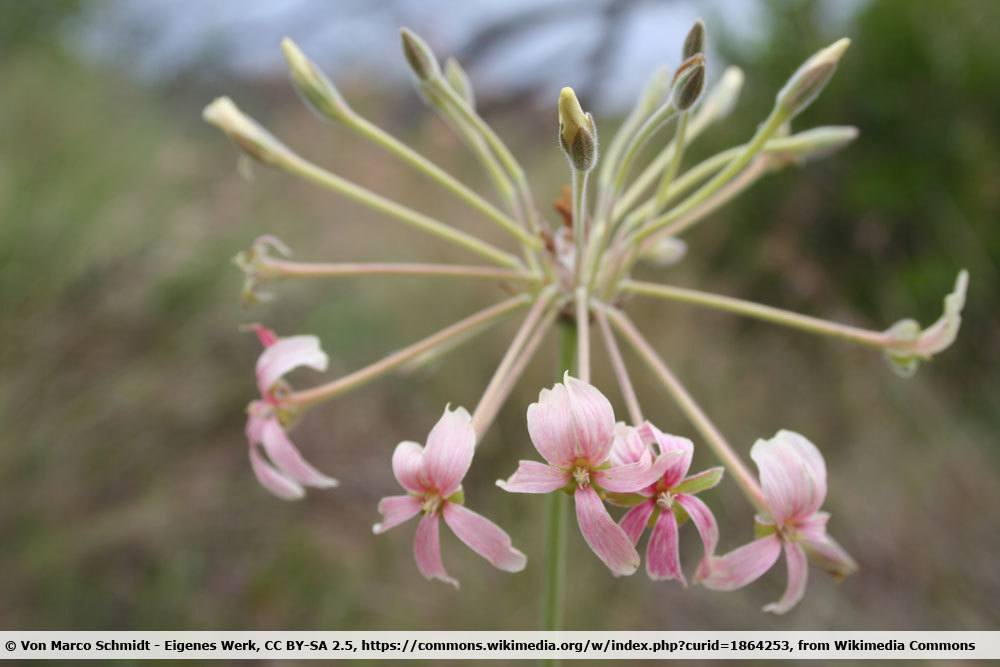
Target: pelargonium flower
pixel 573 427
pixel 287 472
pixel 793 477
pixel 671 495
pixel 432 476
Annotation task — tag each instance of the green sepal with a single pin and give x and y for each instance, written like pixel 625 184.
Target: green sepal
pixel 707 479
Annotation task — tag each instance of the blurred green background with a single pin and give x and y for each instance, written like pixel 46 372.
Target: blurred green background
pixel 128 499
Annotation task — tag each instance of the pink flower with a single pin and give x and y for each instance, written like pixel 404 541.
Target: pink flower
pixel 286 472
pixel 573 427
pixel 669 496
pixel 433 477
pixel 793 477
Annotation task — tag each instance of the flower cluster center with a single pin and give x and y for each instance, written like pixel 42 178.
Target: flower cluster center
pixel 665 500
pixel 581 476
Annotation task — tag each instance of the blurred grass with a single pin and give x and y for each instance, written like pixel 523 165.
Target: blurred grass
pixel 129 502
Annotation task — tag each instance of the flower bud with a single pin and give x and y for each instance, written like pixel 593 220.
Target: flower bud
pixel 689 82
pixel 819 142
pixel 420 57
pixel 665 252
pixel 810 79
pixel 459 82
pixel 318 92
pixel 245 132
pixel 911 344
pixel 577 132
pixel 695 40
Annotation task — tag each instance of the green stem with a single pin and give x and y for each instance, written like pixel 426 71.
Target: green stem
pixel 555 521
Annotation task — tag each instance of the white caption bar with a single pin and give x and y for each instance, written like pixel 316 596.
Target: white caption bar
pixel 493 645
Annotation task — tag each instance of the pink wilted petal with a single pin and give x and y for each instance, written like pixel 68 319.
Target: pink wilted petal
pixel 822 550
pixel 634 521
pixel 272 480
pixel 427 550
pixel 605 537
pixel 593 420
pixel 742 566
pixel 792 475
pixel 407 466
pixel 667 443
pixel 704 523
pixel 286 355
pixel 663 560
pixel 628 446
pixel 798 575
pixel 448 455
pixel 535 477
pixel 287 458
pixel 635 476
pixel 484 537
pixel 396 510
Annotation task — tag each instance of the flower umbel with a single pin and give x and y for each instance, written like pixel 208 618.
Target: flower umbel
pixel 576 272
pixel 432 476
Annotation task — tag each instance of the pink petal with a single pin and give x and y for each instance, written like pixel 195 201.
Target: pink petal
pixel 408 466
pixel 635 476
pixel 266 336
pixel 628 446
pixel 571 421
pixel 535 477
pixel 663 559
pixel 396 510
pixel 635 520
pixel 798 575
pixel 604 536
pixel 550 426
pixel 822 550
pixel 743 565
pixel 286 355
pixel 484 537
pixel 593 420
pixel 448 455
pixel 287 458
pixel 667 443
pixel 704 522
pixel 792 474
pixel 427 550
pixel 258 412
pixel 272 480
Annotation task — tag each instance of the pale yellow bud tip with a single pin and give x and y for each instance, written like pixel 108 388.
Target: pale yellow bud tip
pixel 577 133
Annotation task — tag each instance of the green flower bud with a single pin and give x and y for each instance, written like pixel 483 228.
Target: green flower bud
pixel 459 81
pixel 318 92
pixel 577 132
pixel 810 79
pixel 689 82
pixel 813 144
pixel 245 132
pixel 695 40
pixel 422 60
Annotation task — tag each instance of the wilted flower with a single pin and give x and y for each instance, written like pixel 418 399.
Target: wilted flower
pixel 669 499
pixel 433 477
pixel 287 472
pixel 573 427
pixel 793 477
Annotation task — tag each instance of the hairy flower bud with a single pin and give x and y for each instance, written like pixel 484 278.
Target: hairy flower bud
pixel 813 144
pixel 810 79
pixel 459 81
pixel 577 132
pixel 317 91
pixel 689 82
pixel 245 132
pixel 422 60
pixel 695 40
